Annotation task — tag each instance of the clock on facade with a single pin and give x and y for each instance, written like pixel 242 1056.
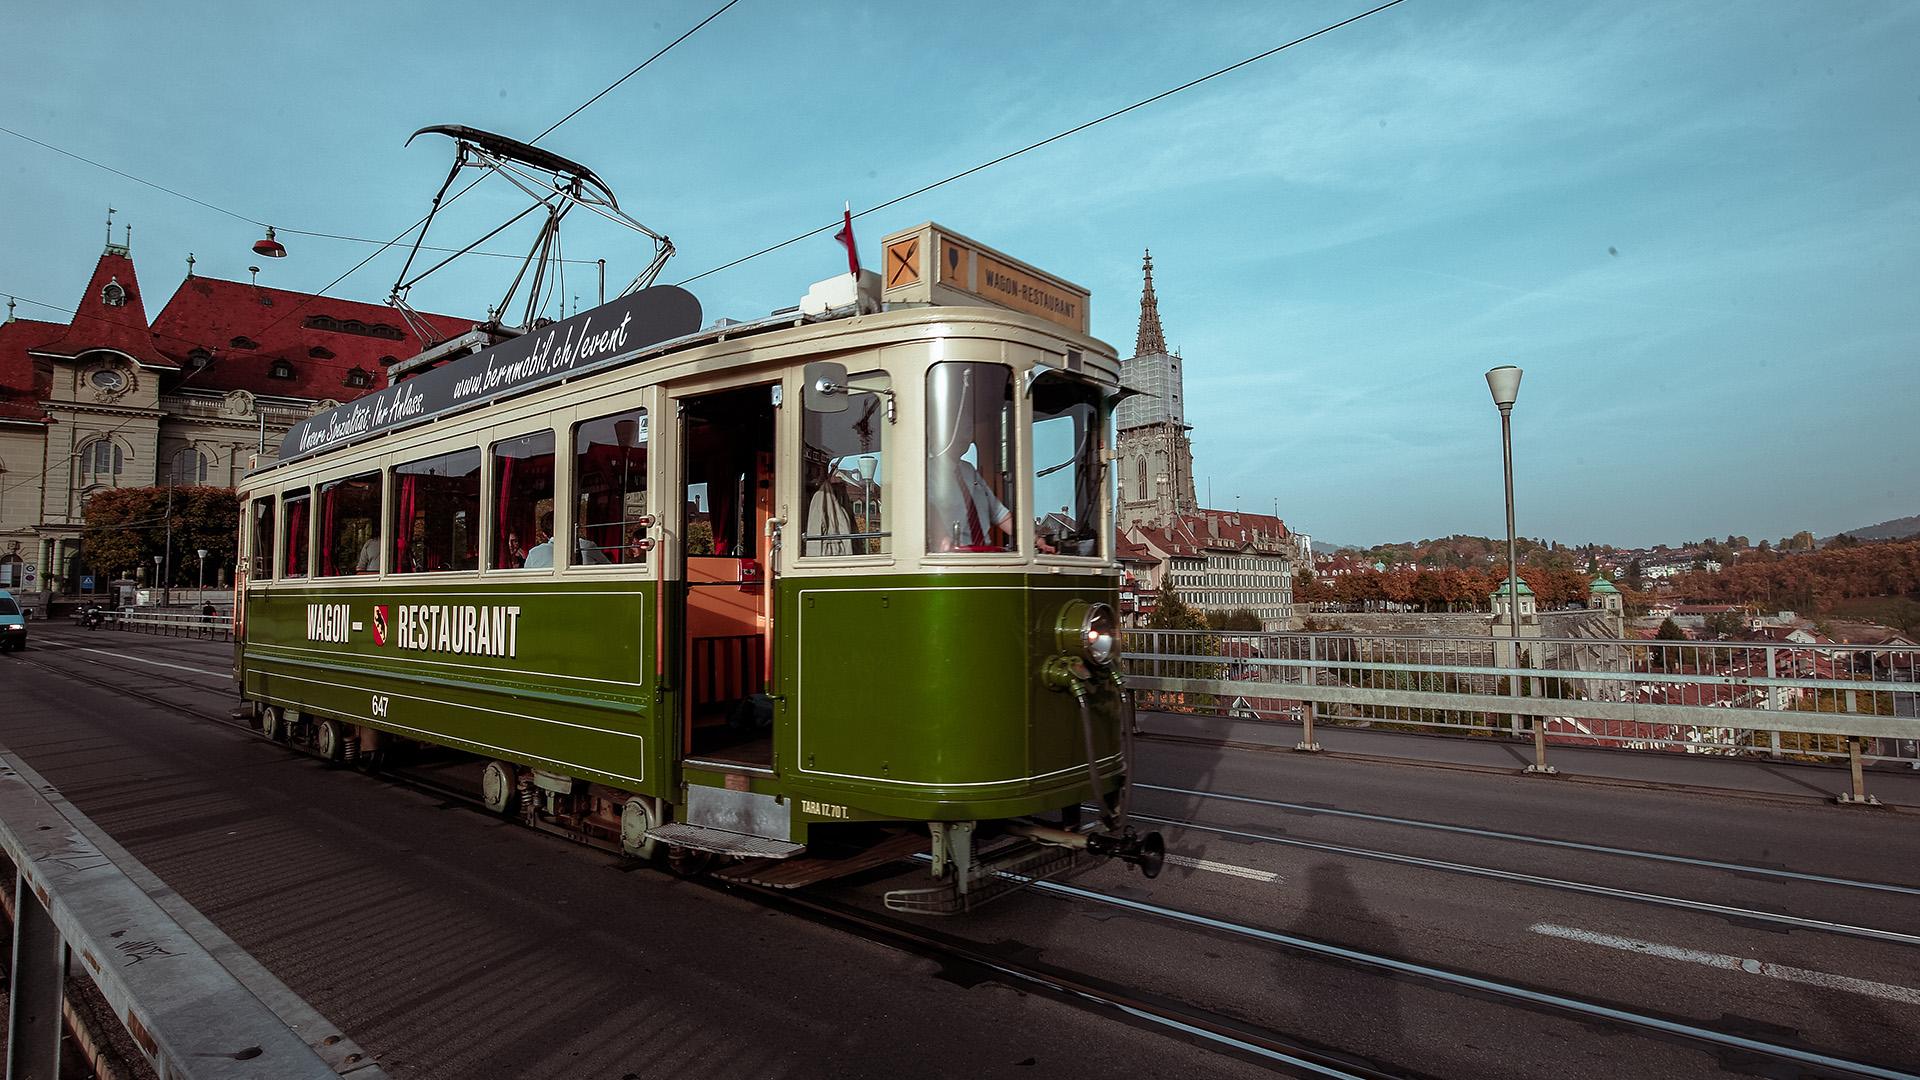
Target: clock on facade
pixel 108 379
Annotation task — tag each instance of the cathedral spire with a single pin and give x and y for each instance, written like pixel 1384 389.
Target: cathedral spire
pixel 1150 339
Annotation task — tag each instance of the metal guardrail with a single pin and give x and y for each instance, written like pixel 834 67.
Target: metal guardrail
pixel 185 1010
pixel 169 623
pixel 1811 700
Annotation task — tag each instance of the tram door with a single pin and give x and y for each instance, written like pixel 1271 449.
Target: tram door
pixel 727 645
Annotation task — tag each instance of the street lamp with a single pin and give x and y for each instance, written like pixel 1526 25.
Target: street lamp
pixel 1504 382
pixel 156 567
pixel 203 573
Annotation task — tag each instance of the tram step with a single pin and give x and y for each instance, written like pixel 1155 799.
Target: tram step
pixel 720 841
pixel 793 873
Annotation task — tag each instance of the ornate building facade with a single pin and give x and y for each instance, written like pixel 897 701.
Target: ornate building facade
pixel 193 397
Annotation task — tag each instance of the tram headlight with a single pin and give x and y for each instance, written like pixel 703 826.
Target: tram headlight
pixel 1088 630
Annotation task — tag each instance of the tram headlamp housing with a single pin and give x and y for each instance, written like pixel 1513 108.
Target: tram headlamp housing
pixel 1088 630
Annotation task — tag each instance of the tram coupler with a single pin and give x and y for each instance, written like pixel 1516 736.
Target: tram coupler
pixel 1144 850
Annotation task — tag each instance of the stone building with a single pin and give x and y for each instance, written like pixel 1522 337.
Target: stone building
pixel 1221 561
pixel 194 396
pixel 1155 462
pixel 1217 560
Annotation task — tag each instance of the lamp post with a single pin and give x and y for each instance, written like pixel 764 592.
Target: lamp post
pixel 203 573
pixel 156 567
pixel 1504 382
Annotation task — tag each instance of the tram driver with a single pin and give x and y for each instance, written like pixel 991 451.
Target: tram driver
pixel 963 513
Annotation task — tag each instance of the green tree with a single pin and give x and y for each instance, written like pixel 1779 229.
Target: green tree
pixel 1669 631
pixel 1725 623
pixel 1172 613
pixel 1241 620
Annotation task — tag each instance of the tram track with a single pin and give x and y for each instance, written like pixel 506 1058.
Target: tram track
pixel 1227 1034
pixel 1462 982
pixel 1515 877
pixel 1543 841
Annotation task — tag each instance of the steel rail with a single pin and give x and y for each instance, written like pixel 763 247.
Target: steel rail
pixel 1572 845
pixel 1188 1021
pixel 1152 1008
pixel 1473 983
pixel 1223 1031
pixel 1552 883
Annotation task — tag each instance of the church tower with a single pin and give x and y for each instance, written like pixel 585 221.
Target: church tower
pixel 1156 458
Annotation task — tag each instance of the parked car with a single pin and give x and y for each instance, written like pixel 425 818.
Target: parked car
pixel 13 623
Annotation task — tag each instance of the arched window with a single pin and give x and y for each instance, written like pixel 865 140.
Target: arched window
pixel 113 295
pixel 190 465
pixel 1140 482
pixel 101 461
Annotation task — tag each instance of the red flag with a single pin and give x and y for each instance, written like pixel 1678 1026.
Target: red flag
pixel 845 236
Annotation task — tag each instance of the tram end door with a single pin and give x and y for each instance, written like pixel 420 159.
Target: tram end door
pixel 725 633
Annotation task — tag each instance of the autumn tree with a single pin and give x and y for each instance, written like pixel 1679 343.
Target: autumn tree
pixel 127 527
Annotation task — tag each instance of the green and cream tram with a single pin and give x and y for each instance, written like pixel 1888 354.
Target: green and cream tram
pixel 810 592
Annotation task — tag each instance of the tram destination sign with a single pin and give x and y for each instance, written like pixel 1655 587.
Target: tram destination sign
pixel 589 341
pixel 932 264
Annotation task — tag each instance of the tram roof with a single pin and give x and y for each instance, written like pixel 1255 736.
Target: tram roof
pixel 405 405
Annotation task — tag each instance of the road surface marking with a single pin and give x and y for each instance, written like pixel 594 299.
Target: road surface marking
pixel 1222 868
pixel 156 663
pixel 1735 963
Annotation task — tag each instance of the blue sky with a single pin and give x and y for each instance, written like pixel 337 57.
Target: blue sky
pixel 1694 225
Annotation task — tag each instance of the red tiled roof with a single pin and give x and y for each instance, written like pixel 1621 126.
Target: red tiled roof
pixel 96 325
pixel 22 387
pixel 1193 535
pixel 1125 550
pixel 321 338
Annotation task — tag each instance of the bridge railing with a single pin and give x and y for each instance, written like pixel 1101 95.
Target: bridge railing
pixel 1818 700
pixel 78 906
pixel 170 623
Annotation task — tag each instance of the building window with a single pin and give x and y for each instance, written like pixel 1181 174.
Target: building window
pixel 199 358
pixel 101 461
pixel 189 466
pixel 320 352
pixel 359 378
pixel 243 343
pixel 1140 480
pixel 113 295
pixel 281 370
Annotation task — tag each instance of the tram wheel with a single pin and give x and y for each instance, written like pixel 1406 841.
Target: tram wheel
pixel 273 723
pixel 331 741
pixel 500 788
pixel 635 819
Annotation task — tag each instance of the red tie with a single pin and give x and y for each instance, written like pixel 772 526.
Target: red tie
pixel 979 538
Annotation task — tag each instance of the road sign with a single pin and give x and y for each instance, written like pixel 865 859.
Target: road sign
pixel 86 582
pixel 33 571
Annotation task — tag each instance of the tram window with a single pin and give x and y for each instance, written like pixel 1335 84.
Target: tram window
pixel 295 507
pixel 262 545
pixel 610 489
pixel 1067 438
pixel 970 458
pixel 436 513
pixel 523 502
pixel 846 476
pixel 350 526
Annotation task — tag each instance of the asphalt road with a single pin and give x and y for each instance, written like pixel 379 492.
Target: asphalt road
pixel 458 946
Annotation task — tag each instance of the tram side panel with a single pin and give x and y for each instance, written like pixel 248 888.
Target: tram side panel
pixel 920 697
pixel 556 676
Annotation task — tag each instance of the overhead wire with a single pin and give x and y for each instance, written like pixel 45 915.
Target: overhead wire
pixel 1043 142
